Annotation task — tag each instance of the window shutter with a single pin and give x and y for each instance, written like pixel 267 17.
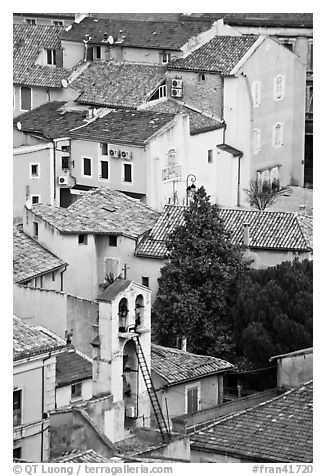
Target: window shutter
pixel 59 58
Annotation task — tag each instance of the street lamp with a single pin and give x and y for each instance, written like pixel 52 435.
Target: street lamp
pixel 190 189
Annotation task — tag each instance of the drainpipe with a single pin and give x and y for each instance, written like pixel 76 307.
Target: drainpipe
pixel 43 392
pixel 251 118
pixel 61 279
pixel 238 184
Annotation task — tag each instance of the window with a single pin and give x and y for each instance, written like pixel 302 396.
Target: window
pixel 309 99
pixel 34 170
pixel 17 453
pixel 192 399
pixel 35 199
pixel 87 167
pixel 278 135
pixel 104 173
pixel 288 43
pixel 97 52
pixel 145 281
pixel 159 93
pixel 256 93
pixel 65 148
pixel 127 173
pixel 53 276
pixel 210 156
pixel 76 390
pixel 57 23
pixel 310 61
pixel 257 141
pixel 41 282
pixel 51 57
pixel 268 180
pixel 279 87
pixel 65 162
pixel 113 240
pixel 35 229
pixel 202 77
pixel 82 239
pixel 25 98
pixel 30 21
pixel 166 57
pixel 104 148
pixel 17 407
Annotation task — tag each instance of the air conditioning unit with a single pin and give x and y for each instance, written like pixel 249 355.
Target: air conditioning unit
pixel 126 154
pixel 130 411
pixel 177 83
pixel 115 153
pixel 176 93
pixel 63 179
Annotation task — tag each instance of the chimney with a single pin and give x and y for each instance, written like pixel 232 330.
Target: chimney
pixel 105 37
pixel 246 234
pixel 184 343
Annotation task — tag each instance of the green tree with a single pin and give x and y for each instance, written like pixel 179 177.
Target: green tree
pixel 196 285
pixel 273 310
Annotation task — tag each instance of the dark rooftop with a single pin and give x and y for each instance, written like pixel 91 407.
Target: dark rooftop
pixel 290 20
pixel 114 290
pixel 71 368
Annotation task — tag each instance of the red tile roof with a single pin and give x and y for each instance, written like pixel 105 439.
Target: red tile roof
pixel 176 366
pixel 30 259
pixel 102 211
pixel 268 230
pixel 29 41
pixel 219 55
pixel 150 34
pixel 118 85
pixel 71 368
pixel 279 430
pixel 81 456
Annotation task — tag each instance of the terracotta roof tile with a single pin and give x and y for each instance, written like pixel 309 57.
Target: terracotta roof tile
pixel 28 341
pixel 268 230
pixel 219 55
pixel 30 259
pixel 175 366
pixel 149 34
pixel 29 41
pixel 101 211
pixel 81 456
pixel 71 368
pixel 279 430
pixel 117 85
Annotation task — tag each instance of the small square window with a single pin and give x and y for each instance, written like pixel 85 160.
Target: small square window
pixel 34 170
pixel 35 199
pixel 82 239
pixel 202 77
pixel 35 229
pixel 104 148
pixel 210 156
pixel 113 240
pixel 145 281
pixel 65 162
pixel 76 390
pixel 87 167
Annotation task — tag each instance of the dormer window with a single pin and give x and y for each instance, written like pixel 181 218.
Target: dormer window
pixel 51 57
pixel 159 93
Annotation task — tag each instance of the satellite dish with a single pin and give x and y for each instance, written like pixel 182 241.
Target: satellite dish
pixel 111 40
pixel 19 126
pixel 64 83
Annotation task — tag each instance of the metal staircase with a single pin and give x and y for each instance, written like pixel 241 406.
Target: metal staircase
pixel 161 423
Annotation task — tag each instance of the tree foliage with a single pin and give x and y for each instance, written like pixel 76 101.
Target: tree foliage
pixel 273 311
pixel 195 286
pixel 261 197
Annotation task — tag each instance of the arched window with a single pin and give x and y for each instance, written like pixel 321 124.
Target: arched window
pixel 123 315
pixel 278 135
pixel 279 87
pixel 256 93
pixel 139 311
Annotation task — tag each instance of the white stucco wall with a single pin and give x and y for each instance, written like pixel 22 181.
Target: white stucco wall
pixel 63 394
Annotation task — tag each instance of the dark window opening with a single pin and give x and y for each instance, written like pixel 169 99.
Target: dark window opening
pixel 76 390
pixel 53 276
pixel 113 240
pixel 87 167
pixel 30 21
pixel 202 77
pixel 17 453
pixel 26 98
pixel 145 281
pixel 104 148
pixel 98 52
pixel 35 199
pixel 210 156
pixel 51 56
pixel 104 169
pixel 57 23
pixel 65 162
pixel 166 57
pixel 34 170
pixel 17 404
pixel 89 55
pixel 82 239
pixel 127 173
pixel 35 229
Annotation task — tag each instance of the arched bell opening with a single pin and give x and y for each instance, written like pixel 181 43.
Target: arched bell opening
pixel 123 312
pixel 139 311
pixel 130 382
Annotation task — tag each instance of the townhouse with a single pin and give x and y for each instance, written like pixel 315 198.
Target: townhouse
pixel 34 360
pixel 96 236
pixel 257 87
